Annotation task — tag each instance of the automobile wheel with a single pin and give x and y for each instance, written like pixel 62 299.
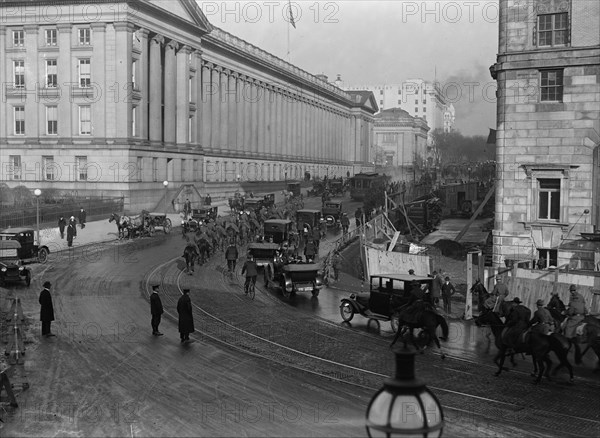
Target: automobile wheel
pixel 286 293
pixel 347 311
pixel 395 322
pixel 315 292
pixel 167 226
pixel 28 279
pixel 43 255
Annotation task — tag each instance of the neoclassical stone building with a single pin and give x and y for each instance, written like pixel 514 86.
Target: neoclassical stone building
pixel 401 138
pixel 114 98
pixel 548 132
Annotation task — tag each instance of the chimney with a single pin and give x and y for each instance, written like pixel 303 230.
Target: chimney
pixel 338 82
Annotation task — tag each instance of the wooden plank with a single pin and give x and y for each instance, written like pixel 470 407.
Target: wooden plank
pixel 477 212
pixel 394 241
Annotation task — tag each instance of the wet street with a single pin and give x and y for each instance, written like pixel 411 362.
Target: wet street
pixel 268 367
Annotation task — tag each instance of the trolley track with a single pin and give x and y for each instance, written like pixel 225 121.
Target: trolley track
pixel 469 399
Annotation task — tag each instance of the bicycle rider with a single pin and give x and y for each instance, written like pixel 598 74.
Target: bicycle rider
pixel 251 271
pixel 231 255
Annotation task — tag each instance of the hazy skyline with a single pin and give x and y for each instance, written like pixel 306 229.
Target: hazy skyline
pixel 381 42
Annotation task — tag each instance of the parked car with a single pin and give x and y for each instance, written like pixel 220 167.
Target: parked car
pixel 387 294
pixel 11 268
pixel 332 212
pixel 30 251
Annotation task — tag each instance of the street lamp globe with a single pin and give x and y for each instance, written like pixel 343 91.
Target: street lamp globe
pixel 37 192
pixel 165 183
pixel 404 406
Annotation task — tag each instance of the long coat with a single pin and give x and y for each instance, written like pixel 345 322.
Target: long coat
pixel 82 217
pixel 47 309
pixel 71 230
pixel 156 307
pixel 186 319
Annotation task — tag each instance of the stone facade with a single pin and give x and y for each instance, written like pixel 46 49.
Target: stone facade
pixel 548 131
pixel 113 99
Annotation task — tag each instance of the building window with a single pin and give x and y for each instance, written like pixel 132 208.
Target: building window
pixel 51 73
pixel 139 164
pixel 133 71
pixel 549 199
pixel 416 101
pixel 18 38
pixel 19 120
pixel 51 37
pixel 14 162
pixel 195 170
pixel 389 138
pixel 85 35
pixel 424 110
pixel 85 119
pixel 182 169
pixel 52 120
pixel 190 91
pixel 190 129
pixel 399 92
pixel 133 120
pixel 48 167
pixel 399 101
pixel 381 92
pixel 154 169
pixel 553 29
pixel 81 172
pixel 424 101
pixel 547 258
pixel 85 73
pixel 19 74
pixel 416 110
pixel 551 85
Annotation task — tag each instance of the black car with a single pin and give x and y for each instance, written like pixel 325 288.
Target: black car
pixel 332 212
pixel 11 268
pixel 30 251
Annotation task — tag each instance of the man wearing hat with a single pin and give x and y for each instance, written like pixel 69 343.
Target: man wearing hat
pixel 46 310
pixel 71 231
pixel 156 310
pixel 575 312
pixel 447 291
pixel 556 307
pixel 542 321
pixel 186 318
pixel 501 293
pixel 517 322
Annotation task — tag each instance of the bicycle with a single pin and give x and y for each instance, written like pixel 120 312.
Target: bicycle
pixel 250 286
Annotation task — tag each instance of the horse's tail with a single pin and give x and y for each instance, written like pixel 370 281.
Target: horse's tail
pixel 442 322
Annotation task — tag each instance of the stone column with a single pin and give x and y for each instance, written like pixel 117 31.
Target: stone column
pixel 170 105
pixel 215 108
pixel 255 119
pixel 143 81
pixel 156 89
pixel 232 106
pixel 123 49
pixel 268 126
pixel 223 110
pixel 240 114
pixel 198 122
pixel 65 79
pixel 32 127
pixel 183 97
pixel 2 74
pixel 205 103
pixel 278 150
pixel 261 118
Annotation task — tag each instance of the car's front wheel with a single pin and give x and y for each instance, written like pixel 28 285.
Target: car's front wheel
pixel 347 311
pixel 43 255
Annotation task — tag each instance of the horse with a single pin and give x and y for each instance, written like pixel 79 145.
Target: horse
pixel 428 320
pixel 591 337
pixel 190 254
pixel 203 249
pixel 536 344
pixel 114 217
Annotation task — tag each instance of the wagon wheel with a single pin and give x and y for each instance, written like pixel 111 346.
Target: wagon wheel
pixel 167 225
pixel 347 311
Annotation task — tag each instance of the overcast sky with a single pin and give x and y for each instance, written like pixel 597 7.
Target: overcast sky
pixel 378 42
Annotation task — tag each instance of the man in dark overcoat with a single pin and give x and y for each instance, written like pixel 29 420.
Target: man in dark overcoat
pixel 82 218
pixel 517 322
pixel 46 310
pixel 156 310
pixel 186 319
pixel 62 223
pixel 71 231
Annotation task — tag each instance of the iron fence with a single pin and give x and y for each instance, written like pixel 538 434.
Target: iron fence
pixel 12 217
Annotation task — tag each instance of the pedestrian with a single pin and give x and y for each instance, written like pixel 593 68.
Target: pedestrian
pixel 187 208
pixel 411 272
pixel 576 311
pixel 345 222
pixel 156 310
pixel 71 231
pixel 310 249
pixel 251 270
pixel 46 310
pixel 62 223
pixel 186 318
pixel 436 287
pixel 231 255
pixel 336 264
pixel 358 216
pixel 82 216
pixel 207 200
pixel 447 291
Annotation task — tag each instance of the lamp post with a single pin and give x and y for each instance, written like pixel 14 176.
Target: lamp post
pixel 166 185
pixel 404 406
pixel 37 193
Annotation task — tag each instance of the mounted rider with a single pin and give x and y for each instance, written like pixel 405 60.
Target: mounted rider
pixel 411 312
pixel 556 307
pixel 542 321
pixel 517 322
pixel 575 312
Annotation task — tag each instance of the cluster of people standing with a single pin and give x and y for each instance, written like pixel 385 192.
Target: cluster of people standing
pixel 184 311
pixel 71 226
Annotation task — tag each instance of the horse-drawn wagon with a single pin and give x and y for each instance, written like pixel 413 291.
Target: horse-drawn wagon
pixel 161 220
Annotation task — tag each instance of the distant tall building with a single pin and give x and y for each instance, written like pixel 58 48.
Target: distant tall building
pixel 419 98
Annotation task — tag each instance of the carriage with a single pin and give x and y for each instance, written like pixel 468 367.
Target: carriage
pixel 294 277
pixel 139 226
pixel 161 220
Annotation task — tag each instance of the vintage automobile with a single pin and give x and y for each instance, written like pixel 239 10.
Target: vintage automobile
pixel 11 268
pixel 336 187
pixel 294 277
pixel 269 200
pixel 295 188
pixel 279 230
pixel 254 204
pixel 199 216
pixel 306 220
pixel 388 293
pixel 162 221
pixel 332 212
pixel 264 253
pixel 30 251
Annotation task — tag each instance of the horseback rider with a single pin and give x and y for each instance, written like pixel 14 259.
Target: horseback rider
pixel 542 321
pixel 231 255
pixel 575 313
pixel 517 322
pixel 501 292
pixel 556 307
pixel 482 294
pixel 411 312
